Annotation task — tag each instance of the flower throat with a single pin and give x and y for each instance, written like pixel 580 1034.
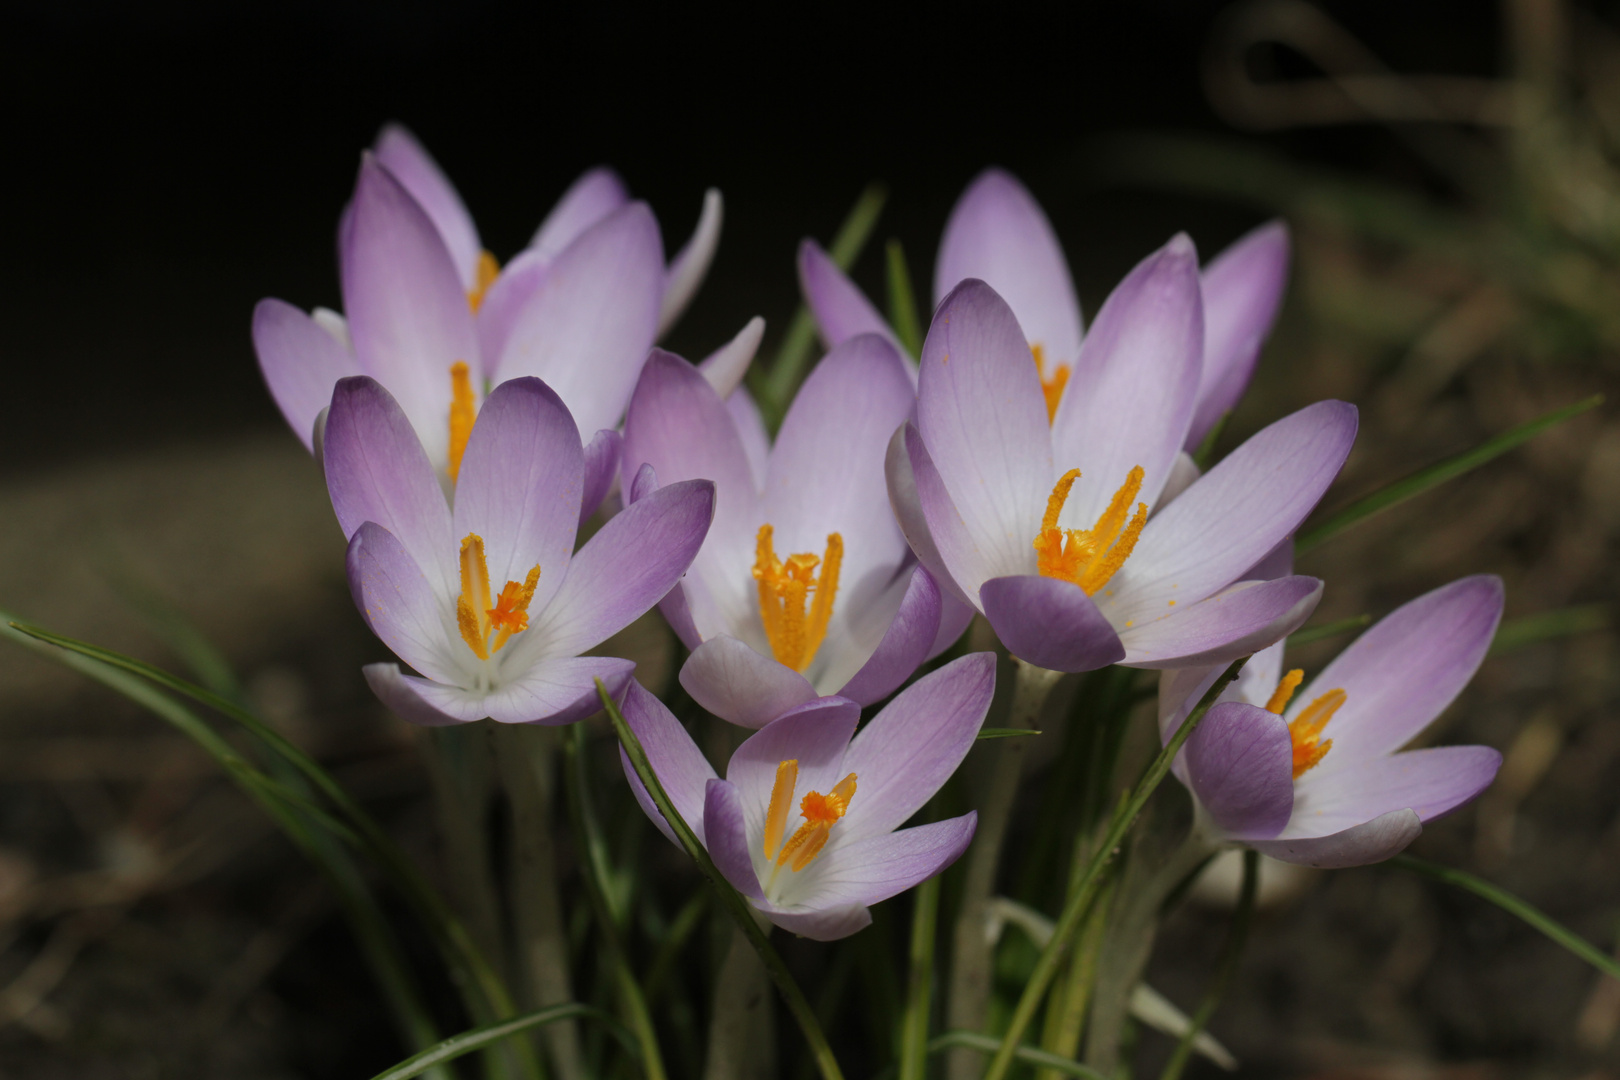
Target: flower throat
pixel 795 621
pixel 1090 557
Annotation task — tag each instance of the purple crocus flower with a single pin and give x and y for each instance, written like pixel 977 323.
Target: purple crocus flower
pixel 430 315
pixel 1045 528
pixel 806 822
pixel 428 578
pixel 998 233
pixel 805 585
pixel 1316 778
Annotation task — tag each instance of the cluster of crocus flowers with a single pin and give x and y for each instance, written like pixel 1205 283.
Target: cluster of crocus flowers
pixel 805 585
pixel 1318 776
pixel 806 822
pixel 430 315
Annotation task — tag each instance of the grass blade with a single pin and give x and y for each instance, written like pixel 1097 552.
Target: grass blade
pixel 1546 625
pixel 1424 479
pixel 903 317
pixel 920 981
pixel 1329 630
pixel 1225 971
pixel 478 1038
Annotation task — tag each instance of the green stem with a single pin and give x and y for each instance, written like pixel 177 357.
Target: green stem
pixel 902 301
pixel 1226 967
pixel 920 982
pixel 1080 900
pixel 1027 1054
pixel 739 909
pixel 1066 1013
pixel 478 1038
pixel 580 819
pixel 1514 906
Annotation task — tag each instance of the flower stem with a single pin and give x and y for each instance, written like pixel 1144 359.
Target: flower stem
pixel 739 909
pixel 972 954
pixel 1080 899
pixel 920 982
pixel 1226 968
pixel 742 1036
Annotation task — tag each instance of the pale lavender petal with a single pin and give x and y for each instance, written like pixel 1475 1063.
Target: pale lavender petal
pixel 401 154
pixel 678 614
pixel 1242 288
pixel 905 643
pixel 398 603
pixel 682 770
pixel 1131 392
pixel 756 441
pixel 592 197
pixel 725 834
pixel 815 735
pixel 881 865
pixel 557 690
pixel 906 504
pixel 829 924
pixel 504 302
pixel 645 482
pixel 998 233
pixel 587 329
pixel 1050 623
pixel 954 616
pixel 678 425
pixel 1183 472
pixel 407 310
pixel 376 470
pixel 1237 622
pixel 519 486
pixel 1430 782
pixel 691 264
pixel 726 366
pixel 1234 515
pixel 908 751
pixel 626 568
pixel 1404 671
pixel 335 324
pixel 402 694
pixel 1359 845
pixel 734 682
pixel 1240 764
pixel 841 309
pixel 300 362
pixel 982 414
pixel 601 469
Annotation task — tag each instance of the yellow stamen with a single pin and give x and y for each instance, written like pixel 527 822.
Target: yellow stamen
pixel 476 616
pixel 794 632
pixel 488 271
pixel 821 813
pixel 1090 557
pixel 1306 731
pixel 787 775
pixel 1051 386
pixel 1285 691
pixel 463 411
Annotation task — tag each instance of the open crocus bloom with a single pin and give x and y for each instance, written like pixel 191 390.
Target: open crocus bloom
pixel 1315 777
pixel 430 315
pixel 806 822
pixel 1046 528
pixel 429 578
pixel 805 585
pixel 998 234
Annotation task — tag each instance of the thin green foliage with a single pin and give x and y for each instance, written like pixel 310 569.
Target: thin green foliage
pixel 1029 1055
pixel 775 387
pixel 1205 454
pixel 1511 904
pixel 903 316
pixel 1548 625
pixel 489 1034
pixel 738 908
pixel 1401 490
pixel 1333 629
pixel 1005 732
pixel 1225 969
pixel 1090 882
pixel 920 981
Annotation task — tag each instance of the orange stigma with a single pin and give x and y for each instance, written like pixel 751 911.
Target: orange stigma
pixel 488 270
pixel 476 616
pixel 463 412
pixel 795 623
pixel 821 813
pixel 1051 386
pixel 1305 731
pixel 1090 557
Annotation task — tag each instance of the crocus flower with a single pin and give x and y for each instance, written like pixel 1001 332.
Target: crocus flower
pixel 1319 778
pixel 806 822
pixel 998 233
pixel 429 579
pixel 1046 528
pixel 429 314
pixel 804 585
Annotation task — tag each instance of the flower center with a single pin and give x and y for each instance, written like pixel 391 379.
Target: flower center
pixel 477 618
pixel 821 813
pixel 1305 730
pixel 488 270
pixel 1052 386
pixel 463 412
pixel 1089 557
pixel 795 623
